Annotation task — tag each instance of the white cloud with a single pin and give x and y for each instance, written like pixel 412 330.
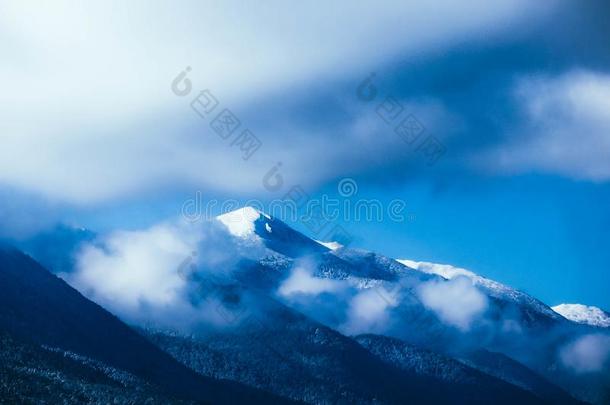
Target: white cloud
pixel 150 276
pixel 368 312
pixel 340 304
pixel 456 302
pixel 589 353
pixel 134 268
pixel 301 281
pixel 87 110
pixel 567 130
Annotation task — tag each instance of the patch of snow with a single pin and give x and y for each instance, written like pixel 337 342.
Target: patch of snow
pixel 330 245
pixel 491 287
pixel 584 314
pixel 445 270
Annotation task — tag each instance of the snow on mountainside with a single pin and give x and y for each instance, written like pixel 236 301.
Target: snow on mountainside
pixel 368 268
pixel 584 314
pixel 252 225
pixel 365 269
pixel 348 292
pixel 330 245
pixel 491 287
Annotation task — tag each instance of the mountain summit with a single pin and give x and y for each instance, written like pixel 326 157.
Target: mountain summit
pixel 248 223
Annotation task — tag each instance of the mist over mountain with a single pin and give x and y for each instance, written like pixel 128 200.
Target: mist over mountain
pixel 44 321
pixel 248 299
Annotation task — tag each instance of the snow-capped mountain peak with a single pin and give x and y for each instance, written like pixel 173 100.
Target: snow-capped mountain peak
pixel 241 222
pixel 584 314
pixel 250 224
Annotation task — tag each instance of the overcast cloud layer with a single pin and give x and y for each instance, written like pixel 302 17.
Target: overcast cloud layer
pixel 89 116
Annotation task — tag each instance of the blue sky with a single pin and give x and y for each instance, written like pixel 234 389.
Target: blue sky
pixel 518 93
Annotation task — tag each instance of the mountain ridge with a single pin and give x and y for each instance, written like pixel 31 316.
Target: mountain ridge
pixel 40 308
